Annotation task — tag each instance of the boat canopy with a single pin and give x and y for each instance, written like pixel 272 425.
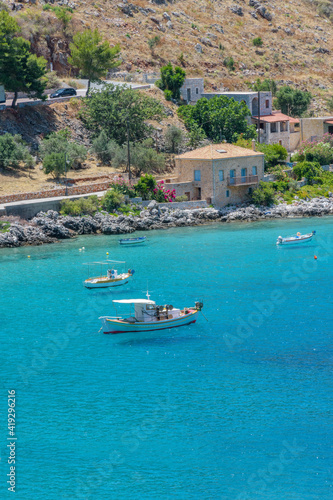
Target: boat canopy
pixel 134 301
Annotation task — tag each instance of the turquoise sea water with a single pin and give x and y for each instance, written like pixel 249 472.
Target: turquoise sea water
pixel 236 407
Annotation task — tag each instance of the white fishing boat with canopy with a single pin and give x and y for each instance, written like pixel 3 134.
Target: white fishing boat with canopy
pixel 296 238
pixel 109 276
pixel 146 316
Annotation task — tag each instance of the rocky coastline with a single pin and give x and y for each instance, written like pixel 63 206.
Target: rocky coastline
pixel 51 227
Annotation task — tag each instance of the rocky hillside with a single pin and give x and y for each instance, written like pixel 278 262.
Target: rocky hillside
pixel 199 35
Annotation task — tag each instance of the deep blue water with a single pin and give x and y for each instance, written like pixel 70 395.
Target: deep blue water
pixel 236 407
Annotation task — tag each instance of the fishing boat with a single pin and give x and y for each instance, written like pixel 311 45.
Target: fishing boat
pixel 109 276
pixel 146 316
pixel 297 238
pixel 132 241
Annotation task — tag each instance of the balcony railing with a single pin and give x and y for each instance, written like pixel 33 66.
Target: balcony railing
pixel 242 180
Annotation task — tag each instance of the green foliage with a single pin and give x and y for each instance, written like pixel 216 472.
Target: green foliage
pixel 112 200
pixel 316 151
pixel 183 197
pixel 55 148
pixel 123 187
pixel 171 79
pixel 62 13
pixel 53 81
pixel 196 135
pixel 153 42
pixel 266 85
pixel 329 103
pixel 168 95
pixel 145 186
pixel 243 143
pixel 274 154
pixel 81 206
pixel 309 170
pixel 292 101
pixel 20 71
pixel 118 111
pixel 229 63
pixel 13 152
pixel 4 226
pixel 264 194
pixel 280 175
pixel 257 42
pixel 220 118
pixel 93 57
pixel 173 139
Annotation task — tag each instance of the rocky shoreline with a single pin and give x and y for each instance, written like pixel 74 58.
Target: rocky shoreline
pixel 51 227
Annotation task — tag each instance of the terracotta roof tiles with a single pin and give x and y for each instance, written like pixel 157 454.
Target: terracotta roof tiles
pixel 218 152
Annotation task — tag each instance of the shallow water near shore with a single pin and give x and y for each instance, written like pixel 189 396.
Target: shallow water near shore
pixel 236 407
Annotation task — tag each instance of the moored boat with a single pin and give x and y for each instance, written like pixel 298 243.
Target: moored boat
pixel 109 277
pixel 297 238
pixel 132 241
pixel 146 316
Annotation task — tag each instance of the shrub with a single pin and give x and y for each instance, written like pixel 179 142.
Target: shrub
pixel 153 42
pixel 168 95
pixel 4 226
pixel 123 187
pixel 264 194
pixel 171 79
pixel 55 148
pixel 13 151
pixel 229 63
pixel 317 151
pixel 257 42
pixel 280 175
pixel 145 186
pixel 183 197
pixel 112 200
pixel 309 170
pixel 274 154
pixel 53 81
pixel 81 206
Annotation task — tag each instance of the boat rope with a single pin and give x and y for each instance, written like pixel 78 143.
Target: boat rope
pixel 101 328
pixel 204 316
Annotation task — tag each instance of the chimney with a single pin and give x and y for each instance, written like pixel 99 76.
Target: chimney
pixel 253 144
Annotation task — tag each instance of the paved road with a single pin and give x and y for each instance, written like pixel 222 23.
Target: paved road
pixel 80 93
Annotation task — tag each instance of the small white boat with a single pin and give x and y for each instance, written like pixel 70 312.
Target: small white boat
pixel 297 238
pixel 109 277
pixel 146 316
pixel 132 241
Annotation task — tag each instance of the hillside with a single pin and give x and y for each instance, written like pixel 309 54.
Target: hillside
pixel 199 35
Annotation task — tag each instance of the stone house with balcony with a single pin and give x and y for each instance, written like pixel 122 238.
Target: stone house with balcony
pixel 219 173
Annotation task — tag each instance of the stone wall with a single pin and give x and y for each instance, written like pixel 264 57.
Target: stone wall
pixel 314 127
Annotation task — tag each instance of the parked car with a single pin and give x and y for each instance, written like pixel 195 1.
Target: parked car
pixel 63 92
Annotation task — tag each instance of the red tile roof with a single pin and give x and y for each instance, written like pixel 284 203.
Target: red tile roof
pixel 277 116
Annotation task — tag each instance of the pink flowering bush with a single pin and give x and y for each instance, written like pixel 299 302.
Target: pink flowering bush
pixel 320 151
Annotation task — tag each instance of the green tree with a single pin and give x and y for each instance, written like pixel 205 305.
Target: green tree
pixel 171 79
pixel 196 135
pixel 13 151
pixel 257 42
pixel 92 56
pixel 153 42
pixel 59 154
pixel 145 186
pixel 292 101
pixel 220 118
pixel 121 113
pixel 173 139
pixel 20 71
pixel 274 154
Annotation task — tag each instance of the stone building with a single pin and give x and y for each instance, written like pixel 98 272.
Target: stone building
pixel 278 128
pixel 249 98
pixel 192 90
pixel 220 173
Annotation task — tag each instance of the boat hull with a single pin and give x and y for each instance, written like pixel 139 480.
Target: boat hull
pixel 105 282
pixel 295 241
pixel 133 241
pixel 115 326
